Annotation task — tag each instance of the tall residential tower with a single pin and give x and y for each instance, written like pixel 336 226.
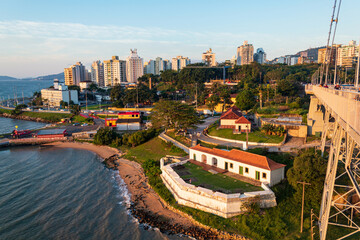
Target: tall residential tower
pixel 114 71
pixel 245 54
pixel 134 67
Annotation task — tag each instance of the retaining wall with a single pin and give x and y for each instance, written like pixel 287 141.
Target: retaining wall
pixel 166 138
pixel 224 205
pixel 249 143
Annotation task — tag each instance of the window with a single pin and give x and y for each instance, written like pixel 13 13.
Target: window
pixel 231 165
pixel 247 170
pixel 263 175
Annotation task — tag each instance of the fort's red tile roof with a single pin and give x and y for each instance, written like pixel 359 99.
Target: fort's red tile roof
pixel 243 157
pixel 231 113
pixel 242 119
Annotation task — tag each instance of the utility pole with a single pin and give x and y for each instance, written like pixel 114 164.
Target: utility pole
pixel 196 97
pixel 86 99
pixel 137 94
pixel 302 205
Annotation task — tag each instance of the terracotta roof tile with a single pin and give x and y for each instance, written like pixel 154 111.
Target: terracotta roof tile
pixel 231 113
pixel 243 157
pixel 242 120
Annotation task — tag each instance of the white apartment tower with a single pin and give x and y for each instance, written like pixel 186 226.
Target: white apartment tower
pixel 97 73
pixel 347 55
pixel 134 67
pixel 208 58
pixel 245 54
pixel 114 71
pixel 179 62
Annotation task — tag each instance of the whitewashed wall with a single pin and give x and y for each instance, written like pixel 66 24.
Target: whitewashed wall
pixel 270 179
pixel 224 205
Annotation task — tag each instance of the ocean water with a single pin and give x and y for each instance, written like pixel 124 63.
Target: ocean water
pixel 11 88
pixel 8 125
pixel 50 193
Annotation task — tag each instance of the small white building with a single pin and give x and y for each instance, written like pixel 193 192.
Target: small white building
pixel 60 92
pixel 243 163
pixel 234 119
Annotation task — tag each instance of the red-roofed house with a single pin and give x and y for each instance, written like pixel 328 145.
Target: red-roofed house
pixel 234 119
pixel 247 164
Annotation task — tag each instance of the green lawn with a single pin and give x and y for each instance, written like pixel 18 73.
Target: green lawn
pixel 52 117
pixel 153 149
pixel 96 107
pixel 216 181
pixel 254 136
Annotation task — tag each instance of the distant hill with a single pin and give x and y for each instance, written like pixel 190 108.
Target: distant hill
pixel 7 78
pixel 59 76
pixel 47 77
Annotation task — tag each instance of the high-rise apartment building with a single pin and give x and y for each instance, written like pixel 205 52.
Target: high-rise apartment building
pixel 322 54
pixel 347 55
pixel 166 65
pixel 134 66
pixel 245 54
pixel 149 67
pixel 208 58
pixel 158 65
pixel 75 74
pixel 179 63
pixel 97 73
pixel 114 71
pixel 260 56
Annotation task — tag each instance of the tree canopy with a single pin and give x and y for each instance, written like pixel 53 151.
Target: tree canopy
pixel 245 100
pixel 308 167
pixel 173 115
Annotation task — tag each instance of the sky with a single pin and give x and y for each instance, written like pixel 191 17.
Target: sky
pixel 40 37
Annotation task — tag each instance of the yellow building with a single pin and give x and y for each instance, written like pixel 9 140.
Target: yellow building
pixel 68 73
pixel 219 107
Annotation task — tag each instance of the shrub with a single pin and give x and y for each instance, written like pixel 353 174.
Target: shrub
pixel 105 136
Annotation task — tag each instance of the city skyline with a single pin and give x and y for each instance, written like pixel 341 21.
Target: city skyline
pixel 42 42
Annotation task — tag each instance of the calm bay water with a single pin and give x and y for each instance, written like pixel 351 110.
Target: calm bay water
pixel 49 193
pixel 10 87
pixel 8 125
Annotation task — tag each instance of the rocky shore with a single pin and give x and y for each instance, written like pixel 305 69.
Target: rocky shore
pixel 146 205
pixel 23 117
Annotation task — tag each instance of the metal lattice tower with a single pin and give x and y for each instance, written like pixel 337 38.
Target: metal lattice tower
pixel 340 200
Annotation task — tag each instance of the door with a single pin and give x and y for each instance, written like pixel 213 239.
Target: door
pixel 226 165
pixel 194 156
pixel 257 175
pixel 241 170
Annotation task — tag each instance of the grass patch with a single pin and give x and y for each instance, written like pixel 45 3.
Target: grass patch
pixel 5 111
pixel 254 136
pixel 96 107
pixel 51 117
pixel 217 182
pixel 80 119
pixel 153 149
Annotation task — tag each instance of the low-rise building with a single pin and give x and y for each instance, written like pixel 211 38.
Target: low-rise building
pixel 249 165
pixel 234 119
pixel 60 92
pixel 124 121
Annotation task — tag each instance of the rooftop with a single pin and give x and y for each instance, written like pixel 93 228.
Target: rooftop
pixel 231 113
pixel 243 157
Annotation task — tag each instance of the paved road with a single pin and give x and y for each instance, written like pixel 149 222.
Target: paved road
pixel 292 143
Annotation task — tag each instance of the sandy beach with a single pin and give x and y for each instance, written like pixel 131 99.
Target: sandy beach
pixel 146 205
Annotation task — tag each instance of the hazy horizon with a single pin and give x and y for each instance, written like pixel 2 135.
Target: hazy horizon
pixel 43 37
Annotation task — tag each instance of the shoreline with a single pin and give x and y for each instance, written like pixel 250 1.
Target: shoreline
pixel 146 205
pixel 25 118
